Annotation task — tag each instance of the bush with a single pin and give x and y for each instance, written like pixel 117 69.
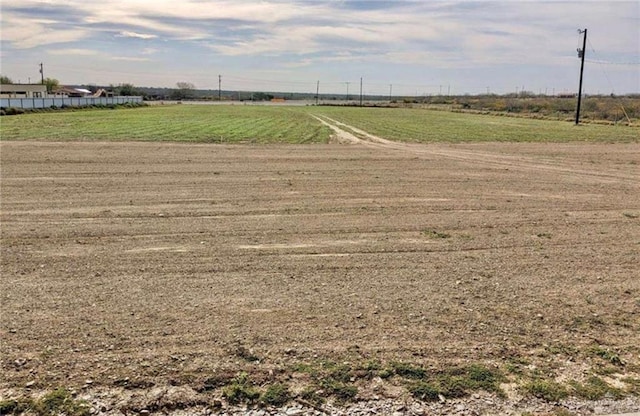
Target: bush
pixel 12 111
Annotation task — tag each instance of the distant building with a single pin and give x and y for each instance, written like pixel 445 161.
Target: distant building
pixel 72 92
pixel 103 93
pixel 23 91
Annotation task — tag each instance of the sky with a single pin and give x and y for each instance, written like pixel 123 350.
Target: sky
pixel 403 47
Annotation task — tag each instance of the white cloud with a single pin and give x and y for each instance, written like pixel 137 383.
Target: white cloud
pixel 129 58
pixel 72 51
pixel 129 34
pixel 306 35
pixel 26 34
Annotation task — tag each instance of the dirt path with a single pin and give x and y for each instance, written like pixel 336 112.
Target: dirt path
pixel 351 134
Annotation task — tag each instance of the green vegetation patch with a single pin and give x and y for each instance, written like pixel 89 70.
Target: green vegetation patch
pixel 57 402
pixel 594 388
pixel 276 395
pixel 545 389
pixel 282 124
pixel 241 390
pixel 179 123
pixel 425 126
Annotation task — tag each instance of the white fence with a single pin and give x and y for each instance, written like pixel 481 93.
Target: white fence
pixel 65 102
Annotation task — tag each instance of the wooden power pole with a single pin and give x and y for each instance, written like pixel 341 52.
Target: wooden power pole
pixel 581 54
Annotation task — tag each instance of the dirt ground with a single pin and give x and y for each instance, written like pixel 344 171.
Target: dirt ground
pixel 165 263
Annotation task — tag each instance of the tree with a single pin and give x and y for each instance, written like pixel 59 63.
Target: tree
pixel 185 85
pixel 261 96
pixel 185 90
pixel 126 89
pixel 51 84
pixel 5 80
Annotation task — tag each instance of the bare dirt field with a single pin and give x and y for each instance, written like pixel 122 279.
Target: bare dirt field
pixel 137 265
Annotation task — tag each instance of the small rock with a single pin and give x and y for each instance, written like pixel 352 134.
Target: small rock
pixel 30 384
pixel 20 362
pixel 145 412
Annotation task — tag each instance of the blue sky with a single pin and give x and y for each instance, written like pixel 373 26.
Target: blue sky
pixel 410 47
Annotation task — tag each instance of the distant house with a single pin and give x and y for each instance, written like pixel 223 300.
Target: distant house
pixel 72 92
pixel 23 91
pixel 103 93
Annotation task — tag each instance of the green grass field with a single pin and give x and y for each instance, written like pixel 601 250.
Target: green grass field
pixel 180 123
pixel 418 125
pixel 282 124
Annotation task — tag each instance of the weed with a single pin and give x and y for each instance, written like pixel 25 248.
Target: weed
pixel 595 388
pixel 458 382
pixel 408 370
pixel 631 215
pixel 607 355
pixel 633 385
pixel 311 395
pixel 562 412
pixel 452 386
pixel 514 368
pixel 424 391
pixel 435 234
pixel 479 377
pixel 9 406
pixel 372 366
pixel 606 370
pixel 57 402
pixel 342 391
pixel 276 395
pixel 304 368
pixel 544 235
pixel 547 390
pixel 340 372
pixel 241 390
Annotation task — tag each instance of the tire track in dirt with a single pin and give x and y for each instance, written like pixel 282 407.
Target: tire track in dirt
pixel 344 134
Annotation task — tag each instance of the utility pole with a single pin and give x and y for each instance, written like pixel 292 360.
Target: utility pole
pixel 41 74
pixel 581 54
pixel 390 89
pixel 360 91
pixel 219 87
pixel 347 89
pixel 317 91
